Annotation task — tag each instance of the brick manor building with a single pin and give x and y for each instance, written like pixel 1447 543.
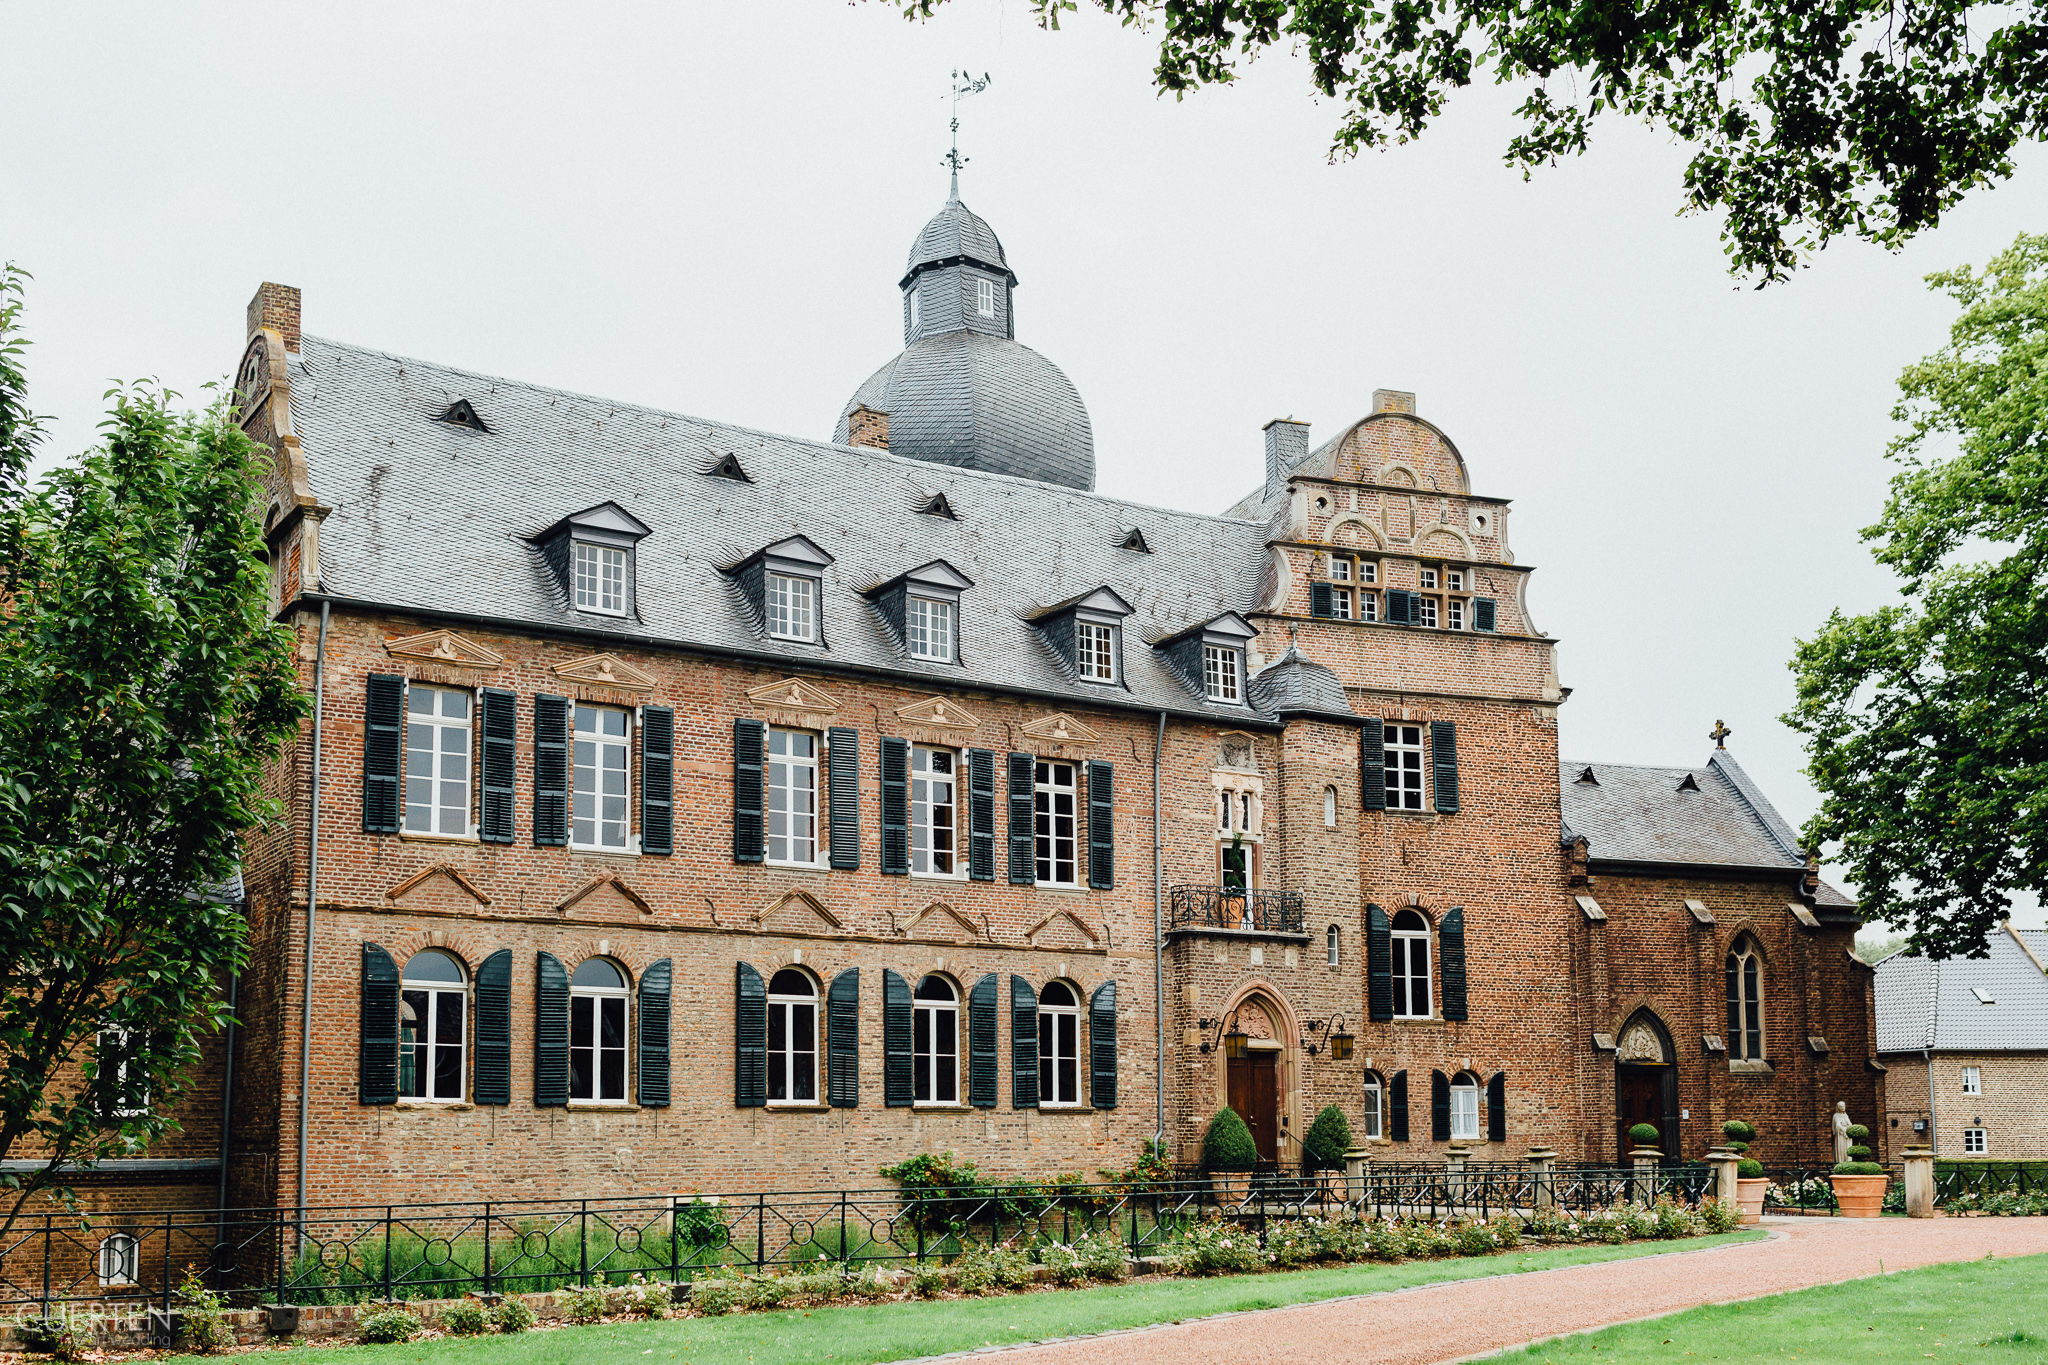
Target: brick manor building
pixel 690 807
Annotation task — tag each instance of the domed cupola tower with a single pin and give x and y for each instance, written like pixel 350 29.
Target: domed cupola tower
pixel 964 391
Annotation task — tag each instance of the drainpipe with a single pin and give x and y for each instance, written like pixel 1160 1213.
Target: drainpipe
pixel 312 899
pixel 1933 1134
pixel 1158 945
pixel 227 1092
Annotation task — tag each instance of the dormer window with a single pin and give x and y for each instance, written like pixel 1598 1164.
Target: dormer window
pixel 1210 657
pixel 785 584
pixel 1088 632
pixel 600 579
pixel 792 607
pixel 985 298
pixel 1220 673
pixel 928 629
pixel 923 608
pixel 1095 651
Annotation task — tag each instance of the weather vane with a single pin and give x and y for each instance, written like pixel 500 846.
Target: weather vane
pixel 964 83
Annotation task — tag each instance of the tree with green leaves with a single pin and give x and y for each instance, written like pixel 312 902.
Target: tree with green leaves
pixel 143 691
pixel 1926 721
pixel 1804 121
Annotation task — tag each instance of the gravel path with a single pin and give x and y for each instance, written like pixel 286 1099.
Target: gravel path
pixel 1447 1322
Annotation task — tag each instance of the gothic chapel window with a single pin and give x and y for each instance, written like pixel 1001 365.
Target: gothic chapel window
pixel 1745 1005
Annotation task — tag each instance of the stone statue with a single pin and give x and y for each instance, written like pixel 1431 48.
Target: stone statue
pixel 1841 1122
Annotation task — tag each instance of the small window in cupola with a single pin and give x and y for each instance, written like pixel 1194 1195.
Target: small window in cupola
pixel 914 310
pixel 592 553
pixel 985 297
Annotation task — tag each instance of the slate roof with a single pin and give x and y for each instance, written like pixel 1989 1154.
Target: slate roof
pixel 1639 815
pixel 957 230
pixel 1294 685
pixel 982 402
pixel 436 518
pixel 1924 1005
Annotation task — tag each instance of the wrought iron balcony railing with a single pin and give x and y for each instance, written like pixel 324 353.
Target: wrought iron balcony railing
pixel 1224 907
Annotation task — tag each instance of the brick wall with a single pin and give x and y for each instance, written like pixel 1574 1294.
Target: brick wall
pixel 2011 1106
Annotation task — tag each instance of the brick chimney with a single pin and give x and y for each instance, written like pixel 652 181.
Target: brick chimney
pixel 866 427
pixel 1286 448
pixel 1392 400
pixel 276 306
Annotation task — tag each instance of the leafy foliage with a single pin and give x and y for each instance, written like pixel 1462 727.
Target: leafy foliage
pixel 1804 121
pixel 1859 1167
pixel 1926 722
pixel 388 1326
pixel 1328 1138
pixel 511 1316
pixel 1645 1134
pixel 1227 1146
pixel 205 1312
pixel 465 1319
pixel 143 691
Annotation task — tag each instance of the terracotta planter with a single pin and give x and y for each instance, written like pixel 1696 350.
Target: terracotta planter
pixel 1861 1196
pixel 1749 1197
pixel 1231 1187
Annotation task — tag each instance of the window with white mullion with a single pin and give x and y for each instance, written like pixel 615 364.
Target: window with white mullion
pixel 597 1033
pixel 602 779
pixel 1973 1081
pixel 1410 951
pixel 600 578
pixel 1095 651
pixel 1059 1046
pixel 934 811
pixel 1219 673
pixel 792 797
pixel 928 629
pixel 433 999
pixel 1465 1109
pixel 792 606
pixel 1054 805
pixel 1404 766
pixel 437 749
pixel 792 1038
pixel 935 1042
pixel 1374 1105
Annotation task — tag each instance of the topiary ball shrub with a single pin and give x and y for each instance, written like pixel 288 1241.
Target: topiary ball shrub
pixel 1859 1167
pixel 1749 1168
pixel 1739 1134
pixel 1228 1144
pixel 1857 1132
pixel 1859 1153
pixel 1645 1135
pixel 1328 1138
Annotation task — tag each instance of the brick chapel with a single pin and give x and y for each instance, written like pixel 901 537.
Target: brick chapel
pixel 688 807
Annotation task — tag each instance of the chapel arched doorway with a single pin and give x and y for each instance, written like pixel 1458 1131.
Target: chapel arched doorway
pixel 1645 1085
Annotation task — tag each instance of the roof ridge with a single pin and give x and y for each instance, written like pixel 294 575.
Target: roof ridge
pixel 1722 762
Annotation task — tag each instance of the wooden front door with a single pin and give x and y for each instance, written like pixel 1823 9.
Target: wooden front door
pixel 1638 1098
pixel 1255 1095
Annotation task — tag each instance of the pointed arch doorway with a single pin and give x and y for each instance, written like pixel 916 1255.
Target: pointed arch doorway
pixel 1253 1082
pixel 1645 1086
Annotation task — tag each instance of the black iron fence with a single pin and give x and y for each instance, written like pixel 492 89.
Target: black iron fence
pixel 1956 1180
pixel 1223 907
pixel 136 1260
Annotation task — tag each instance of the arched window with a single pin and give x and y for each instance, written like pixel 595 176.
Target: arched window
pixel 1745 1004
pixel 1059 1045
pixel 792 1038
pixel 1330 940
pixel 1411 966
pixel 433 996
pixel 1465 1107
pixel 597 1033
pixel 1375 1105
pixel 1330 806
pixel 120 1257
pixel 935 1042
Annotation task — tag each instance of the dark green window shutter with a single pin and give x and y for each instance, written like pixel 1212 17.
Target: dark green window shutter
pixel 1102 1046
pixel 550 1033
pixel 1101 825
pixel 898 1082
pixel 500 764
pixel 1319 600
pixel 657 779
pixel 656 987
pixel 1482 613
pixel 981 815
pixel 750 1040
pixel 1397 1107
pixel 896 807
pixel 1379 963
pixel 1497 1107
pixel 1439 1107
pixel 983 1059
pixel 1023 855
pixel 1372 764
pixel 1399 613
pixel 383 753
pixel 1023 1044
pixel 842 1040
pixel 749 834
pixel 842 756
pixel 1450 937
pixel 377 1076
pixel 550 771
pixel 493 1084
pixel 1443 756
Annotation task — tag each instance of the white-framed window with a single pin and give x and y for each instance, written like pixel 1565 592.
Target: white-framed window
pixel 1054 800
pixel 1340 569
pixel 914 311
pixel 1425 612
pixel 1234 812
pixel 1330 806
pixel 120 1258
pixel 1404 766
pixel 1059 1046
pixel 1375 1105
pixel 1368 571
pixel 935 1042
pixel 432 1000
pixel 928 629
pixel 436 760
pixel 1428 577
pixel 1744 971
pixel 792 1038
pixel 934 811
pixel 1340 603
pixel 1095 648
pixel 600 578
pixel 1976 1142
pixel 1331 939
pixel 1454 613
pixel 1454 579
pixel 597 1032
pixel 598 806
pixel 124 1083
pixel 1368 605
pixel 985 297
pixel 1465 1107
pixel 792 607
pixel 1219 673
pixel 792 797
pixel 1973 1081
pixel 1411 966
pixel 1233 868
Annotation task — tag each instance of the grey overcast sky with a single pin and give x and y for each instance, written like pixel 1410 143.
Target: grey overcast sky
pixel 706 208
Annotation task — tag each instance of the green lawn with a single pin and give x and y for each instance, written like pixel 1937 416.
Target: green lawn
pixel 1989 1311
pixel 896 1331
